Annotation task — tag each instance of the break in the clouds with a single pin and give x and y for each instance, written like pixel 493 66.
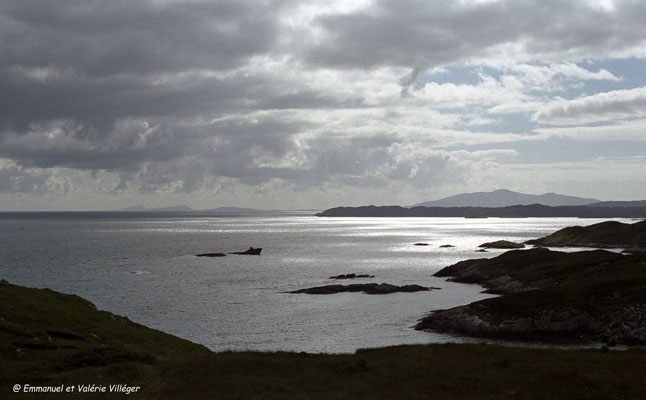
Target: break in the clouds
pixel 296 104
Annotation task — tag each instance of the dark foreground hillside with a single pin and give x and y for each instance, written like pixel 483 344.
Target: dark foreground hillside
pixel 48 339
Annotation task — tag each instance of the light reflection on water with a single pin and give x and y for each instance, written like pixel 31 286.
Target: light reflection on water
pixel 145 268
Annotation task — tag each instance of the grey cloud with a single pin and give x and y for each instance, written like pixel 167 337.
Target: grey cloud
pixel 17 180
pixel 100 38
pixel 164 94
pixel 403 33
pixel 97 70
pixel 69 144
pixel 94 62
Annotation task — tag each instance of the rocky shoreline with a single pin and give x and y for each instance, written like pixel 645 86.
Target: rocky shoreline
pixel 591 296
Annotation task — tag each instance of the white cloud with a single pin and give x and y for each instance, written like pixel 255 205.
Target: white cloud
pixel 616 104
pixel 626 130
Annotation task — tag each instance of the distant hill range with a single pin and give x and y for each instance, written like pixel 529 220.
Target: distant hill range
pixel 505 198
pixel 141 208
pixel 532 210
pixel 231 210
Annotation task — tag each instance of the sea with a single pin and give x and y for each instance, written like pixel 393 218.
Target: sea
pixel 143 265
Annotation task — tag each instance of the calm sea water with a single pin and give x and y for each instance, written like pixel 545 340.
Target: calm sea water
pixel 143 265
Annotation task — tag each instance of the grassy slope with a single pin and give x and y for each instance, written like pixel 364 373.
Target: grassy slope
pixel 52 338
pixel 167 367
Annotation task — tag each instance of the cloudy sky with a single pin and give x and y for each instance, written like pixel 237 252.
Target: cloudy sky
pixel 314 104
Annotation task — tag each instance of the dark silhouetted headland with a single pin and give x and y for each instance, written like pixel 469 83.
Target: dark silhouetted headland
pixel 533 210
pixel 609 234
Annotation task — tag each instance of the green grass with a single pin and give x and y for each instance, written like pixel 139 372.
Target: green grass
pixel 96 347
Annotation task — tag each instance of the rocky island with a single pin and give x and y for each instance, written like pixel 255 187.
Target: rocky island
pixel 368 288
pixel 502 244
pixel 352 276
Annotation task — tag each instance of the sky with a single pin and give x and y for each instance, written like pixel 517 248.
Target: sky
pixel 284 104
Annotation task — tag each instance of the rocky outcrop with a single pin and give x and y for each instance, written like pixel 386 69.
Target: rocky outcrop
pixel 369 288
pixel 211 255
pixel 609 234
pixel 590 296
pixel 502 244
pixel 251 251
pixel 352 276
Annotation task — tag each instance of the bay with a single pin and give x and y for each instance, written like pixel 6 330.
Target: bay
pixel 143 265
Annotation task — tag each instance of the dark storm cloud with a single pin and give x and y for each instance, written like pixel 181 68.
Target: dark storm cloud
pixel 95 61
pixel 120 83
pixel 103 38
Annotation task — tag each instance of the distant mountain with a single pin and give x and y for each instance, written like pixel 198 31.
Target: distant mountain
pixel 141 208
pixel 135 208
pixel 232 210
pixel 505 198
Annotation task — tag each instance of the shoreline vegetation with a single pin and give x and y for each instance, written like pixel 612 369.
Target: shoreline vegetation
pixel 53 339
